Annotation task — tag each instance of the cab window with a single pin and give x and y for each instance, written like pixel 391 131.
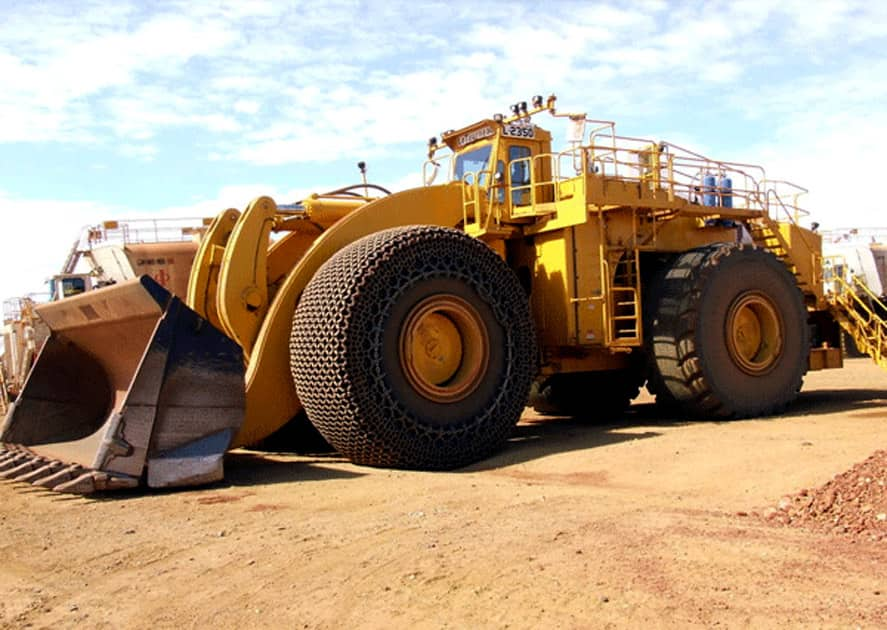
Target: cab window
pixel 519 175
pixel 66 287
pixel 73 286
pixel 471 162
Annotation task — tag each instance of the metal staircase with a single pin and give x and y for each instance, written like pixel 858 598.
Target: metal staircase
pixel 859 312
pixel 766 234
pixel 862 315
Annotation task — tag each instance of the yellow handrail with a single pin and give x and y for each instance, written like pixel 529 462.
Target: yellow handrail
pixel 861 318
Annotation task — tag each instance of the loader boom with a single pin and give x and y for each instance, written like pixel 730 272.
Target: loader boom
pixel 242 293
pixel 204 279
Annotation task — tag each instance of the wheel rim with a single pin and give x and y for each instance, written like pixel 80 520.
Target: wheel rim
pixel 754 333
pixel 444 348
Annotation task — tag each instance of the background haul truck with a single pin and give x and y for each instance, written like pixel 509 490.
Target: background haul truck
pixel 410 327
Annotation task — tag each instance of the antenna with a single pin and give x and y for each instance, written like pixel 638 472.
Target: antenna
pixel 363 174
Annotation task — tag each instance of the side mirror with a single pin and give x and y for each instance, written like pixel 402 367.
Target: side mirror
pixel 432 175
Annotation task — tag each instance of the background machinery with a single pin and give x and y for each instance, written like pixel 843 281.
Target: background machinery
pixel 411 327
pixel 22 335
pixel 855 269
pixel 116 251
pixel 104 254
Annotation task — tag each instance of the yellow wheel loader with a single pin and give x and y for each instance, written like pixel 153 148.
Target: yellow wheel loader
pixel 413 328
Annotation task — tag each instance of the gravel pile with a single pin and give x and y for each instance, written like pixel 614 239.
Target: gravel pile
pixel 854 503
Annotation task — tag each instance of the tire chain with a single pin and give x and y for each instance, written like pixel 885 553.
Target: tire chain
pixel 344 387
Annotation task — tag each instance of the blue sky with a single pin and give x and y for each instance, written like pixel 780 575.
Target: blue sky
pixel 116 109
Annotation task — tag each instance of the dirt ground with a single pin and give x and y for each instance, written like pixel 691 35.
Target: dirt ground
pixel 646 523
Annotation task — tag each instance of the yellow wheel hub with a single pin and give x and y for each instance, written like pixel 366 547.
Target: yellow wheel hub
pixel 444 348
pixel 754 333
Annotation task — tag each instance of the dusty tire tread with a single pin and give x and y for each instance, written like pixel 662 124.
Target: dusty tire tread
pixel 338 352
pixel 676 315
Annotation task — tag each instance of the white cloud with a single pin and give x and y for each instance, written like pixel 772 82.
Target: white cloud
pixel 20 239
pixel 131 62
pixel 831 138
pixel 70 57
pixel 140 151
pixel 413 179
pixel 247 107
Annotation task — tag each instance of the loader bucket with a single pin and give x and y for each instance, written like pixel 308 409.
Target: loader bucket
pixel 131 387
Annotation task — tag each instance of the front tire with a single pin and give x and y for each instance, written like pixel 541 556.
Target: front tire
pixel 414 348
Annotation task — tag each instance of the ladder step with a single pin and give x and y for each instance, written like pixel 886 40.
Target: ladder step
pixel 626 341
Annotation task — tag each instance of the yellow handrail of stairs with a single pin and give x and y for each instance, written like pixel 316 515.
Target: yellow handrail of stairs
pixel 861 314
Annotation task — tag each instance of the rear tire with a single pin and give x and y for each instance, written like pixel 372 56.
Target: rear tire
pixel 665 402
pixel 414 348
pixel 729 335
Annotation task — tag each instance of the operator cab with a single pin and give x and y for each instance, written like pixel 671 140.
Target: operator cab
pixel 66 285
pixel 505 160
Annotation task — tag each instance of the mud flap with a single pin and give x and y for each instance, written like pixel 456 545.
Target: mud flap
pixel 132 387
